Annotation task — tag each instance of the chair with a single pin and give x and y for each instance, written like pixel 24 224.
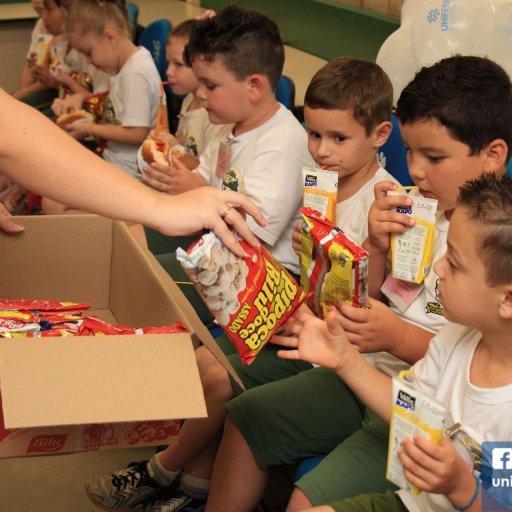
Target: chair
pixel 154 38
pixel 393 156
pixel 133 13
pixel 285 92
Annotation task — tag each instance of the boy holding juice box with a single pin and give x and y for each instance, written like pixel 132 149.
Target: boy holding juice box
pixel 347 108
pixel 456 121
pixel 466 371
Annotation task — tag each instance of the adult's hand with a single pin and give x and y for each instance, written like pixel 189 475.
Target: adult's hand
pixel 210 208
pixel 7 223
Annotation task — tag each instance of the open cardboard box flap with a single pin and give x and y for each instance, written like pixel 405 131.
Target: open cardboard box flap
pixel 66 381
pixel 99 379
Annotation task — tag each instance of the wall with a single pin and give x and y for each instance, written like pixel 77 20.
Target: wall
pixel 322 28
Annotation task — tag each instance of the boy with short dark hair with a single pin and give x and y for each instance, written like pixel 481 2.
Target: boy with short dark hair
pixel 347 108
pixel 315 412
pixel 237 57
pixel 468 366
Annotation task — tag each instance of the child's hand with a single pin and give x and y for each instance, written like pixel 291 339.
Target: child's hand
pixel 295 321
pixel 42 74
pixel 78 130
pixel 31 60
pixel 437 468
pixel 370 329
pixel 165 136
pixel 69 104
pixel 383 219
pixel 173 179
pixel 63 77
pixel 296 244
pixel 317 341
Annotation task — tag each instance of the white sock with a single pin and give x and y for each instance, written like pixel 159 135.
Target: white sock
pixel 194 486
pixel 160 474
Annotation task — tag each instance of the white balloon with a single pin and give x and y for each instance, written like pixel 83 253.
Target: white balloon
pixel 500 46
pixel 396 59
pixel 395 56
pixel 442 28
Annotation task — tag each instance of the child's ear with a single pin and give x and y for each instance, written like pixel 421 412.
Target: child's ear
pixel 111 36
pixel 381 133
pixel 505 307
pixel 257 85
pixel 496 155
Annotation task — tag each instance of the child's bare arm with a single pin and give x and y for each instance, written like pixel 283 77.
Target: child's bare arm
pixel 325 343
pixel 129 135
pixel 383 220
pixel 379 329
pixel 439 469
pixel 34 87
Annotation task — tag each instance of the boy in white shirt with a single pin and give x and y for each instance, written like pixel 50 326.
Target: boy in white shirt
pixel 468 366
pixel 452 135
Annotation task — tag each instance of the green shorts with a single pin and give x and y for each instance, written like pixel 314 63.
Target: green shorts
pixel 374 502
pixel 267 367
pixel 315 413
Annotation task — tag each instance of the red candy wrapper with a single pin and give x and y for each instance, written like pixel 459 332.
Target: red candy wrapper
pixel 41 305
pixel 251 297
pixel 333 267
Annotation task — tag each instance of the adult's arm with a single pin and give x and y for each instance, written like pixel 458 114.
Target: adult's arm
pixel 37 154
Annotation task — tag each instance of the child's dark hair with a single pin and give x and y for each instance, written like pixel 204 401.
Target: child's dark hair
pixel 351 84
pixel 488 201
pixel 470 96
pixel 92 16
pixel 247 41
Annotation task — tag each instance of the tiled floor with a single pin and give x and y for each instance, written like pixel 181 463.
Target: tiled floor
pixel 55 483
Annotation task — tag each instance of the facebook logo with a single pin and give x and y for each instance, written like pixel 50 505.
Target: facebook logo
pixel 496 476
pixel 502 458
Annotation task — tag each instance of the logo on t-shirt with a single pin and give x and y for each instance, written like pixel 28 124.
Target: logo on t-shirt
pixel 435 307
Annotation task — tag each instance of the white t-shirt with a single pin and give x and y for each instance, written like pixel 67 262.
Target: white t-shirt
pixel 352 214
pixel 266 165
pixel 484 413
pixel 39 29
pixel 134 93
pixel 195 129
pixel 425 311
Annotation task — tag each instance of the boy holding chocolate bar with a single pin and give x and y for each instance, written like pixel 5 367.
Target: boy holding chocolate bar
pixel 456 121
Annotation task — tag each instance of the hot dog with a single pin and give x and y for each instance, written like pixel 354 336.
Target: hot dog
pixel 155 151
pixel 75 116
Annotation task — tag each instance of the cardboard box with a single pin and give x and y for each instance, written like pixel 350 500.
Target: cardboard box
pixel 93 392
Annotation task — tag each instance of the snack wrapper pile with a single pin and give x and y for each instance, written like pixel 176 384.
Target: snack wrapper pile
pixel 45 318
pixel 333 267
pixel 251 297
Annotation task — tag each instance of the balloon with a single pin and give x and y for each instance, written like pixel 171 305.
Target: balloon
pixel 500 46
pixel 396 59
pixel 395 55
pixel 442 28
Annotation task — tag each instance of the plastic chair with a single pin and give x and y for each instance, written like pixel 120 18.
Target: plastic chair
pixel 285 92
pixel 154 38
pixel 393 156
pixel 133 13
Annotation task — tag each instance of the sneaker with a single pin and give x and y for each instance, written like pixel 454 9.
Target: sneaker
pixel 177 502
pixel 124 489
